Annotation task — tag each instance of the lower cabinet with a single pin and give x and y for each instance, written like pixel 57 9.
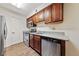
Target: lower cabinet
pixel 37 43
pixel 46 46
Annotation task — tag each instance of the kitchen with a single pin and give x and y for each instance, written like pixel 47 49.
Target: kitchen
pixel 50 29
pixel 51 14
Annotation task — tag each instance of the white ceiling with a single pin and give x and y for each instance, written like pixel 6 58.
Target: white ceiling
pixel 25 8
pixel 29 7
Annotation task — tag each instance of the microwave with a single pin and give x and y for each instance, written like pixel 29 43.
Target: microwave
pixel 30 24
pixel 33 29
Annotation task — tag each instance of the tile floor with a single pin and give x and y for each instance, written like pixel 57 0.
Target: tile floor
pixel 20 50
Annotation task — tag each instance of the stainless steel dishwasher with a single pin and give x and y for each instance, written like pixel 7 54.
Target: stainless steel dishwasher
pixel 50 47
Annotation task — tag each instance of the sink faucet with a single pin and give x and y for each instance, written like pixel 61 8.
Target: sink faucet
pixel 54 28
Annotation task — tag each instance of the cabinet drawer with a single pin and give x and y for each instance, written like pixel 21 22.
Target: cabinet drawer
pixel 36 37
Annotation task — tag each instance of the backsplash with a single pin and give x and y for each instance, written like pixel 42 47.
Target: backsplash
pixel 44 29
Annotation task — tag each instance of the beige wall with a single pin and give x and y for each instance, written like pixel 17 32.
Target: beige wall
pixel 71 22
pixel 71 26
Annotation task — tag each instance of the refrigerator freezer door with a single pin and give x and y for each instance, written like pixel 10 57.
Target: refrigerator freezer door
pixel 5 31
pixel 2 34
pixel 5 34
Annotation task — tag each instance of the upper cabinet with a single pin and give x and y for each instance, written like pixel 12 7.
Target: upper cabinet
pixel 29 22
pixel 34 19
pixel 51 14
pixel 40 16
pixel 48 14
pixel 57 12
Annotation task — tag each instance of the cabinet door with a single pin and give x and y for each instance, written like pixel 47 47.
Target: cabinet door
pixel 40 16
pixel 37 44
pixel 34 19
pixel 31 41
pixel 47 14
pixel 29 22
pixel 57 12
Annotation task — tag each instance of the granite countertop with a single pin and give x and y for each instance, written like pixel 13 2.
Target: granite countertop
pixel 57 35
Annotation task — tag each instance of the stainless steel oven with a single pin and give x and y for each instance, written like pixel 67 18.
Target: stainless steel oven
pixel 26 38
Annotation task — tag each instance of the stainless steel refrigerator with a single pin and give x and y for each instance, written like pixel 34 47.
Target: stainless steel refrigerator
pixel 3 34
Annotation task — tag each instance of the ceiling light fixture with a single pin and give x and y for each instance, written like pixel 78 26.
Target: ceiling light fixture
pixel 17 4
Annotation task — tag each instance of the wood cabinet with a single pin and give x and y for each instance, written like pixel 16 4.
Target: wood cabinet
pixel 48 14
pixel 57 12
pixel 29 22
pixel 34 19
pixel 51 14
pixel 40 16
pixel 42 43
pixel 37 43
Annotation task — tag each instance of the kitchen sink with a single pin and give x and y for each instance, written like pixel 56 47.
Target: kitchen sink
pixel 51 33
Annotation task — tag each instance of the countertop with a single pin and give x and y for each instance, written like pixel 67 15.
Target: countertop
pixel 57 35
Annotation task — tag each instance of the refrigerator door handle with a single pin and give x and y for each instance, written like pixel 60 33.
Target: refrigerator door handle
pixel 5 31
